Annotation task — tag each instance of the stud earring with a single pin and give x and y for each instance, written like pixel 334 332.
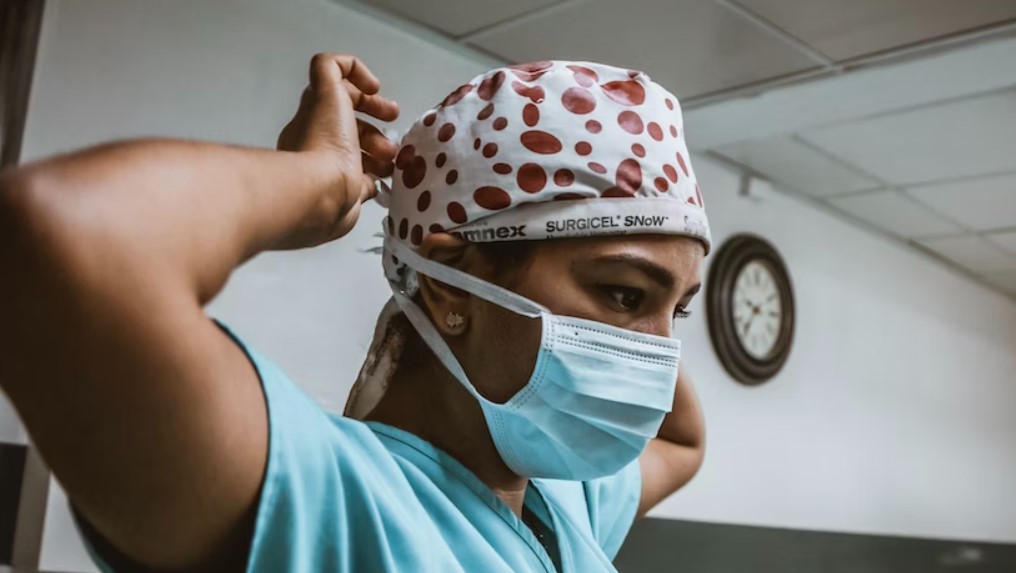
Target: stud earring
pixel 455 320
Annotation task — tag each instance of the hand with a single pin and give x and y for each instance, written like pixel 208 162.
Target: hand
pixel 351 152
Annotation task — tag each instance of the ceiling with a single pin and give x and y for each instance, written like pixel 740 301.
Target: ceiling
pixel 941 177
pixel 704 48
pixel 906 123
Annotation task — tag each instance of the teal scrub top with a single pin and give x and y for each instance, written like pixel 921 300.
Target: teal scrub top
pixel 341 495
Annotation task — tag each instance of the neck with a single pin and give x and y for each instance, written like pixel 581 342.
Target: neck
pixel 428 402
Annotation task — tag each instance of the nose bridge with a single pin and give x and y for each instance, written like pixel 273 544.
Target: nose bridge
pixel 660 324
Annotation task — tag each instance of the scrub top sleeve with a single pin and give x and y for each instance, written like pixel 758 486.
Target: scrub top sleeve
pixel 613 502
pixel 298 502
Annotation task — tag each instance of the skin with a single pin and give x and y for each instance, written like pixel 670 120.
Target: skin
pixel 152 419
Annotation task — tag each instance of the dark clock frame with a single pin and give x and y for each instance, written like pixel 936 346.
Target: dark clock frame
pixel 735 253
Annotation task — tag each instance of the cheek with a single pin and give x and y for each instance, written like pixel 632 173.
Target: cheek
pixel 504 351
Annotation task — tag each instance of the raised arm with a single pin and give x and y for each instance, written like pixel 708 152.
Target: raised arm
pixel 675 456
pixel 150 417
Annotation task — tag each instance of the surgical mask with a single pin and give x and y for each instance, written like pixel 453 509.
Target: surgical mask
pixel 597 394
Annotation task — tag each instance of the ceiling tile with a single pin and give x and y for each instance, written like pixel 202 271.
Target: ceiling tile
pixel 982 203
pixel 798 166
pixel 459 17
pixel 1006 241
pixel 690 46
pixel 847 29
pixel 973 253
pixel 1005 280
pixel 957 139
pixel 894 213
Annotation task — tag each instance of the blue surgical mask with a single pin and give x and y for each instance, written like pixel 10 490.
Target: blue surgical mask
pixel 597 394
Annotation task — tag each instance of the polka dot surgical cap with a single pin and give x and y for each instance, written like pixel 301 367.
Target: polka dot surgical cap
pixel 546 150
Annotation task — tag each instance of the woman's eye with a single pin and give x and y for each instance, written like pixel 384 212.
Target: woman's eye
pixel 627 298
pixel 681 313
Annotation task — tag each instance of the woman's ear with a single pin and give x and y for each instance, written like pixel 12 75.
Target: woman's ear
pixel 448 306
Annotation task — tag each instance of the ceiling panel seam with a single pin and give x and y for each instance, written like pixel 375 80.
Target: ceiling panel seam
pixel 779 33
pixel 915 107
pixel 832 210
pixel 538 12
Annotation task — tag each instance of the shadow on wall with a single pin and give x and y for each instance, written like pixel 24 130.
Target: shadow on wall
pixel 664 545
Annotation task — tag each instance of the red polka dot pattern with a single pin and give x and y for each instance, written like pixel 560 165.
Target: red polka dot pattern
pixel 540 142
pixel 490 85
pixel 456 212
pixel 680 161
pixel 531 115
pixel 532 71
pixel 492 198
pixel 671 173
pixel 585 77
pixel 655 131
pixel 532 178
pixel 457 95
pixel 629 92
pixel 423 202
pixel 569 196
pixel 534 93
pixel 629 176
pixel 446 132
pixel 578 100
pixel 543 132
pixel 414 173
pixel 564 177
pixel 630 122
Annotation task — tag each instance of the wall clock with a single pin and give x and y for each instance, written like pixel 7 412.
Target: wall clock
pixel 750 309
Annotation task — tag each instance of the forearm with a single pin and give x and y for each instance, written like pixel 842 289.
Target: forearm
pixel 194 210
pixel 684 425
pixel 675 456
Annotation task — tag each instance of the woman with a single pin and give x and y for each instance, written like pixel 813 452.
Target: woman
pixel 516 395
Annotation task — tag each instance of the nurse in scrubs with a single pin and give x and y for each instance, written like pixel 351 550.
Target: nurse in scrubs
pixel 522 401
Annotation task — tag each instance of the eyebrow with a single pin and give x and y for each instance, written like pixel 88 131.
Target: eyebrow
pixel 658 273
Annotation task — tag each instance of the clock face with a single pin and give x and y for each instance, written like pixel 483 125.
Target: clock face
pixel 758 311
pixel 750 309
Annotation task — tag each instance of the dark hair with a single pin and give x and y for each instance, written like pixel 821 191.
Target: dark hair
pixel 506 257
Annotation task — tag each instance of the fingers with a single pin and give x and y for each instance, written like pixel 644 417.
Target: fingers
pixel 327 70
pixel 376 167
pixel 374 142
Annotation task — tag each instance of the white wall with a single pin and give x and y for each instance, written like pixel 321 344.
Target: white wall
pixel 895 413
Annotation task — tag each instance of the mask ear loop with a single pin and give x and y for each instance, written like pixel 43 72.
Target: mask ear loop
pixel 465 281
pixel 456 278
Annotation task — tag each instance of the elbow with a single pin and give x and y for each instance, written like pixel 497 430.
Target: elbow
pixel 25 217
pixel 18 201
